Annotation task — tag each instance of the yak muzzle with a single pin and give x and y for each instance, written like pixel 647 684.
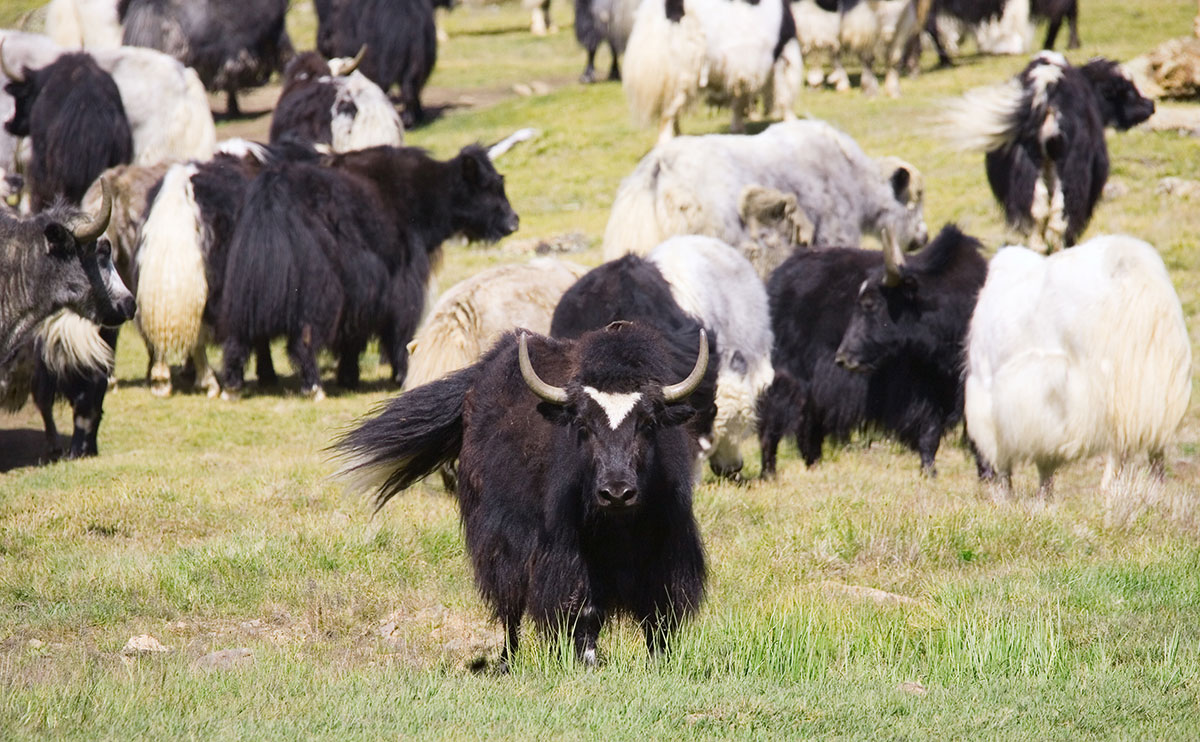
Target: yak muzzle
pixel 617 495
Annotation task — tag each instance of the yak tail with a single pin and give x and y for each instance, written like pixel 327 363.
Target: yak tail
pixel 986 119
pixel 72 343
pixel 172 288
pixel 415 434
pixel 664 64
pixel 633 222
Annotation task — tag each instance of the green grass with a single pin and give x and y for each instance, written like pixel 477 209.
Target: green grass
pixel 213 525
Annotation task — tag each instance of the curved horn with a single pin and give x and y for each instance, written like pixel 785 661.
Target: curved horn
pixel 94 228
pixel 676 392
pixel 548 392
pixel 353 63
pixel 893 258
pixel 10 73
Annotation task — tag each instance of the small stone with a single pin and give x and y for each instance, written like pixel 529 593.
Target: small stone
pixel 224 659
pixel 522 90
pixel 35 643
pixel 143 644
pixel 912 686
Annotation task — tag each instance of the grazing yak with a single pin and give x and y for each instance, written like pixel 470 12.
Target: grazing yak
pixel 331 253
pixel 231 44
pixel 164 101
pixel 576 486
pixel 1081 353
pixel 1043 133
pixel 182 249
pixel 71 110
pixel 47 265
pixel 401 41
pixel 868 29
pixel 733 51
pixel 684 284
pixel 870 339
pixel 472 315
pixel 344 111
pixel 599 21
pixel 692 185
pixel 1003 26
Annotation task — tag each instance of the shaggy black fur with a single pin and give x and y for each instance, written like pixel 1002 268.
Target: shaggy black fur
pixel 542 537
pixel 232 44
pixel 1085 100
pixel 401 42
pixel 830 312
pixel 633 289
pixel 72 111
pixel 331 253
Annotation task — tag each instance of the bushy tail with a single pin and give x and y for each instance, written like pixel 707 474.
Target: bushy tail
pixel 72 343
pixel 664 64
pixel 633 222
pixel 415 434
pixel 986 119
pixel 172 288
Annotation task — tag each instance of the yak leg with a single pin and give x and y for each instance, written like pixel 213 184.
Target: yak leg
pixel 589 72
pixel 1158 465
pixel 264 367
pixel 614 72
pixel 206 378
pixel 160 375
pixel 87 407
pixel 539 23
pixel 304 356
pixel 44 388
pixel 236 354
pixel 512 638
pixel 347 370
pixel 927 447
pixel 1052 32
pixel 586 632
pixel 232 109
pixel 1045 490
pixel 1073 24
pixel 741 105
pixel 768 441
pixel 1000 486
pixel 839 78
pixel 868 81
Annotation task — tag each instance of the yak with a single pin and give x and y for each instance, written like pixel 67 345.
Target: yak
pixel 401 41
pixel 72 112
pixel 870 339
pixel 1047 160
pixel 333 252
pixel 232 44
pixel 599 21
pixel 576 486
pixel 1081 353
pixel 343 110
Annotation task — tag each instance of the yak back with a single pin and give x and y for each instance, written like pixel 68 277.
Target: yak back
pixel 72 111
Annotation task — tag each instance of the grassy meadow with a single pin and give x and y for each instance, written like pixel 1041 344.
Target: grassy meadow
pixel 214 526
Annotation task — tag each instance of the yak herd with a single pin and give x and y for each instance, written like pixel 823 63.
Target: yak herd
pixel 569 409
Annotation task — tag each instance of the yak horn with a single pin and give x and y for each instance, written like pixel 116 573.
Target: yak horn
pixel 8 72
pixel 94 228
pixel 549 392
pixel 353 63
pixel 676 392
pixel 893 259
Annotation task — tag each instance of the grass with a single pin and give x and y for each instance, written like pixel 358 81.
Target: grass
pixel 213 525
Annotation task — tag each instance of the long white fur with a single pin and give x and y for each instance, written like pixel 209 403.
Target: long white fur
pixel 69 342
pixel 172 288
pixel 83 24
pixel 375 122
pixel 723 48
pixel 692 185
pixel 711 281
pixel 468 318
pixel 1077 354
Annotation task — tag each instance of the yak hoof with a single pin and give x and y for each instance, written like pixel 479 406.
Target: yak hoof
pixel 231 395
pixel 161 389
pixel 315 393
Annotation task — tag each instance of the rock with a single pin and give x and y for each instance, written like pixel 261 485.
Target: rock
pixel 1182 119
pixel 1178 187
pixel 1115 188
pixel 143 644
pixel 912 686
pixel 874 595
pixel 1170 70
pixel 35 643
pixel 225 659
pixel 569 242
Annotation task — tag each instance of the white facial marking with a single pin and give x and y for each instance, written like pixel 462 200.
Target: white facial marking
pixel 616 406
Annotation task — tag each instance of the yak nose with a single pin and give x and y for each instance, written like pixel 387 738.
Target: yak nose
pixel 127 306
pixel 845 361
pixel 513 222
pixel 617 494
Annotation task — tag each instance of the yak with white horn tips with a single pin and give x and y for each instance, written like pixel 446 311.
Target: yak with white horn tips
pixel 576 479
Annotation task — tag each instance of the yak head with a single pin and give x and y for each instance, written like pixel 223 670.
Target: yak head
pixel 1121 105
pixel 615 408
pixel 906 223
pixel 479 204
pixel 81 276
pixel 891 314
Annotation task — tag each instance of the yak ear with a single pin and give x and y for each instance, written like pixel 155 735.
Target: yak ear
pixel 59 241
pixel 675 414
pixel 472 169
pixel 900 180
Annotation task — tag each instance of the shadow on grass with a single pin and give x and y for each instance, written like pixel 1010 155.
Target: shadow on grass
pixel 27 447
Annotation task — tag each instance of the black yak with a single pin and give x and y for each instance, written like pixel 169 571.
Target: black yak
pixel 576 478
pixel 864 338
pixel 232 44
pixel 401 41
pixel 72 112
pixel 331 253
pixel 1047 160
